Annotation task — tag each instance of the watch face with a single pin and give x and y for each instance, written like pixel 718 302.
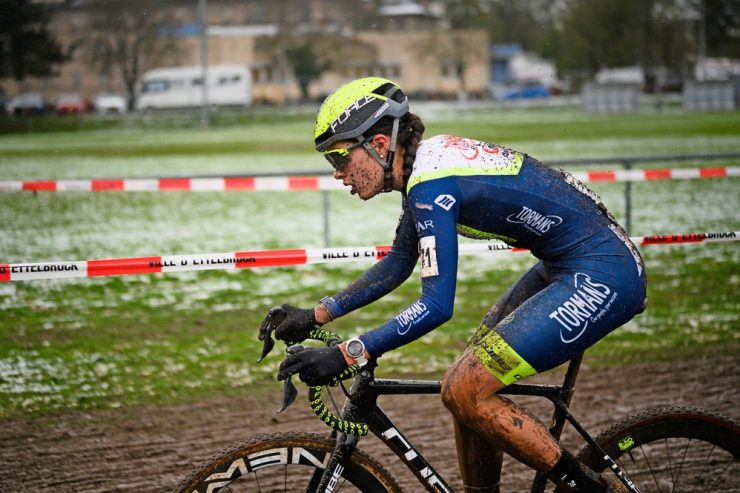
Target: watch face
pixel 354 348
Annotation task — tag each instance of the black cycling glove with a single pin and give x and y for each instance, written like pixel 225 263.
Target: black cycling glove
pixel 315 366
pixel 291 324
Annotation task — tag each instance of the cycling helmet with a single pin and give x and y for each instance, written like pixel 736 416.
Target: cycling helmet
pixel 348 112
pixel 355 107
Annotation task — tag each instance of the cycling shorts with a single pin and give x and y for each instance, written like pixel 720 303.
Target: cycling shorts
pixel 559 308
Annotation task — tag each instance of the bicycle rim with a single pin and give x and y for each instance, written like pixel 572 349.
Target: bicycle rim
pixel 673 449
pixel 284 463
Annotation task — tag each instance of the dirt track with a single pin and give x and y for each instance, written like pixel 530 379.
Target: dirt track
pixel 151 449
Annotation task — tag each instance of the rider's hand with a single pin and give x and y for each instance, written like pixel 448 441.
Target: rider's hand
pixel 291 324
pixel 315 366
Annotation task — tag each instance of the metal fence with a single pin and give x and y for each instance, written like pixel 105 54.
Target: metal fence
pixel 709 96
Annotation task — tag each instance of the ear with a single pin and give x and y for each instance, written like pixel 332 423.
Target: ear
pixel 381 143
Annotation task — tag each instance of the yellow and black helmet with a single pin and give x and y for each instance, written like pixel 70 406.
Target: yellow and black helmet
pixel 348 112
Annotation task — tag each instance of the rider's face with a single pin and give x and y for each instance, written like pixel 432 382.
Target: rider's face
pixel 361 173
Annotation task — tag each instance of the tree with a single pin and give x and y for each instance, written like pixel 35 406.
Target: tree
pixel 27 49
pixel 722 28
pixel 129 37
pixel 528 23
pixel 306 65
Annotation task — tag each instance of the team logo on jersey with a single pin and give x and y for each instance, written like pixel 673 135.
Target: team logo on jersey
pixel 445 201
pixel 534 221
pixel 423 226
pixel 411 316
pixel 590 303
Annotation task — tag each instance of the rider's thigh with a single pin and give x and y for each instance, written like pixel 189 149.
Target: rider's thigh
pixel 559 322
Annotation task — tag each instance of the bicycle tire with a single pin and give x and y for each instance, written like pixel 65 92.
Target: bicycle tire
pixel 284 462
pixel 673 449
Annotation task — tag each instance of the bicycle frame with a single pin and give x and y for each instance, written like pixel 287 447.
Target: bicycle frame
pixel 361 405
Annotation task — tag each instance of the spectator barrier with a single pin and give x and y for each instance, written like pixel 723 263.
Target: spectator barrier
pixel 271 258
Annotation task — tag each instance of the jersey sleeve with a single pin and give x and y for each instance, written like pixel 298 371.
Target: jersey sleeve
pixel 435 208
pixel 384 276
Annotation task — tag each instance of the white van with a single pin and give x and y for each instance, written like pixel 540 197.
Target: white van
pixel 181 87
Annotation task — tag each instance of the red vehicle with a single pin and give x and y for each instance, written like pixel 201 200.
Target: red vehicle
pixel 71 104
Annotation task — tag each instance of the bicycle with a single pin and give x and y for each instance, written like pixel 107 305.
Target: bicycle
pixel 666 449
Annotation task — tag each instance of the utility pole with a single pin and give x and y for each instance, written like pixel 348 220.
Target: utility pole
pixel 203 20
pixel 703 39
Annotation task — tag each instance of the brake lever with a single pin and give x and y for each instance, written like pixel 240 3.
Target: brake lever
pixel 289 390
pixel 267 344
pixel 274 318
pixel 289 394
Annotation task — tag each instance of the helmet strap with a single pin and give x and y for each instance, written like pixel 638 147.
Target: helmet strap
pixel 388 168
pixel 386 163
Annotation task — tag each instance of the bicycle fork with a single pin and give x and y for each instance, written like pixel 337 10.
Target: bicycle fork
pixel 326 480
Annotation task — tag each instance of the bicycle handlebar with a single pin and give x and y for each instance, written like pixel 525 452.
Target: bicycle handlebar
pixel 315 400
pixel 318 405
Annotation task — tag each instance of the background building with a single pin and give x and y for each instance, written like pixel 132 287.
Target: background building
pixel 405 41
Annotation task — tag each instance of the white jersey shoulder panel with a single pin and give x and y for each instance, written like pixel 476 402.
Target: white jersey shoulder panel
pixel 446 155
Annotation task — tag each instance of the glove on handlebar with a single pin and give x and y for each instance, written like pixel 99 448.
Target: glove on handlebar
pixel 291 324
pixel 315 366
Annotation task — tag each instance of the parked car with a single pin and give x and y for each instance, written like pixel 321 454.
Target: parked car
pixel 26 104
pixel 526 91
pixel 110 103
pixel 71 104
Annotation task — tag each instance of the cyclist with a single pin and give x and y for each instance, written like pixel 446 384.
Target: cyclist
pixel 589 279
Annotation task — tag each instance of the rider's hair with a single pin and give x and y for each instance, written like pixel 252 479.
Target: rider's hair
pixel 410 132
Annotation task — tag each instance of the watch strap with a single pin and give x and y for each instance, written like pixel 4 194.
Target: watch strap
pixel 350 359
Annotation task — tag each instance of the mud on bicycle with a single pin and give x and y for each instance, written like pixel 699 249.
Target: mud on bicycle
pixel 665 449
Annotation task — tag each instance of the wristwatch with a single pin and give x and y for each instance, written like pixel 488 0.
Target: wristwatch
pixel 356 350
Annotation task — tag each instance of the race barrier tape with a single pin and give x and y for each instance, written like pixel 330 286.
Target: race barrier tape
pixel 271 258
pixel 315 183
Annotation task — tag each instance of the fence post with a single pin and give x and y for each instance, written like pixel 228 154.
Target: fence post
pixel 628 198
pixel 325 194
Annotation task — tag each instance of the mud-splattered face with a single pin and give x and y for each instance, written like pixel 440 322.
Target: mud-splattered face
pixel 362 173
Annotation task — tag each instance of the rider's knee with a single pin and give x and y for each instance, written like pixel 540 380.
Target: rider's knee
pixel 451 392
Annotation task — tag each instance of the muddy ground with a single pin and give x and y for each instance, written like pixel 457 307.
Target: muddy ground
pixel 151 449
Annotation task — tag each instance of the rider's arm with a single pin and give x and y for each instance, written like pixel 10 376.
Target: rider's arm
pixel 381 278
pixel 435 205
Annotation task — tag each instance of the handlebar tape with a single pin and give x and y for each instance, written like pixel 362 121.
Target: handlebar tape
pixel 325 415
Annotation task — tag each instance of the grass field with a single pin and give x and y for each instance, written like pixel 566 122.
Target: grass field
pixel 109 342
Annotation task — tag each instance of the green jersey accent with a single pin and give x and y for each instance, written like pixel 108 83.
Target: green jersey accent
pixel 500 359
pixel 475 234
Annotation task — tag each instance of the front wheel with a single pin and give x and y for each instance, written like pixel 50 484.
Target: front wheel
pixel 673 449
pixel 284 462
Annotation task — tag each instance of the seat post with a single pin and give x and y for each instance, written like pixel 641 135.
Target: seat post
pixel 566 394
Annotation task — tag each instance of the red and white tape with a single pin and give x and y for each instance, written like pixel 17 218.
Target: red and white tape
pixel 270 258
pixel 314 183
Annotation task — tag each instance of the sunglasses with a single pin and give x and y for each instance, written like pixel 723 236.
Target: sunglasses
pixel 339 158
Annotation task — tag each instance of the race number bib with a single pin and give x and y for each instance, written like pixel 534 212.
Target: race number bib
pixel 428 254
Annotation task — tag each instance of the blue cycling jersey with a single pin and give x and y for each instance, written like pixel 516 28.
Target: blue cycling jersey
pixel 479 190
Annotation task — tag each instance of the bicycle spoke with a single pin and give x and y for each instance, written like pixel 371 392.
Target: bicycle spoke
pixel 680 466
pixel 717 477
pixel 670 462
pixel 650 468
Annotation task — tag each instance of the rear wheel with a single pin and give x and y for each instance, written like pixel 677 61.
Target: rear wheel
pixel 673 449
pixel 284 462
